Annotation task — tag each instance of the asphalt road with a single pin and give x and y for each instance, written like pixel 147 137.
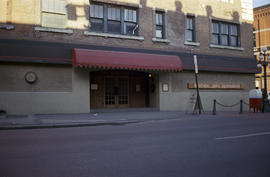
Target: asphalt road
pixel 231 147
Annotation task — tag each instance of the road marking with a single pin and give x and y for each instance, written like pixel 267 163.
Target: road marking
pixel 244 136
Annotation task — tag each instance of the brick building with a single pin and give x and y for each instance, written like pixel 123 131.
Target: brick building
pixel 261 35
pixel 75 56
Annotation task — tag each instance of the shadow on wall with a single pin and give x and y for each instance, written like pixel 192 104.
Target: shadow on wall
pixel 146 29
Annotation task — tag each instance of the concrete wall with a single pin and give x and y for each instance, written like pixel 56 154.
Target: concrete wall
pixel 179 95
pixel 75 100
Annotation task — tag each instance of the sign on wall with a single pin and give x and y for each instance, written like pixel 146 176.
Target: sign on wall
pixel 215 86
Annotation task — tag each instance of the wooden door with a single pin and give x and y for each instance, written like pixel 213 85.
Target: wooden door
pixel 116 92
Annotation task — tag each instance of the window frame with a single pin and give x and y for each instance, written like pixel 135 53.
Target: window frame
pixel 56 9
pixel 161 26
pixel 122 20
pixel 97 18
pixel 228 34
pixel 193 30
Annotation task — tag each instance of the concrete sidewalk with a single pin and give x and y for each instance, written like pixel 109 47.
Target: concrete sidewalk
pixel 8 122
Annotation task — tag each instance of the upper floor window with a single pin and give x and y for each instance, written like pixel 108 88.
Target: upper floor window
pixel 130 26
pixel 113 19
pixel 190 29
pixel 160 25
pixel 96 18
pixel 226 34
pixel 54 13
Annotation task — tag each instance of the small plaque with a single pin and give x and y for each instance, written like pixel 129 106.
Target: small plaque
pixel 138 87
pixel 94 86
pixel 165 87
pixel 30 77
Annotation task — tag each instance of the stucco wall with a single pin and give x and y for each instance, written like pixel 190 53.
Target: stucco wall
pixel 178 96
pixel 62 101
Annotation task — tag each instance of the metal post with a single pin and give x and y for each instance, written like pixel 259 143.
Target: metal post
pixel 214 107
pixel 265 85
pixel 241 106
pixel 198 94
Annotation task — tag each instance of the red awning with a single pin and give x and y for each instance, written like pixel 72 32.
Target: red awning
pixel 125 60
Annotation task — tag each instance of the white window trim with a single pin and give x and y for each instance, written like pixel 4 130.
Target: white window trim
pixel 7 27
pixel 192 43
pixel 119 36
pixel 53 30
pixel 226 47
pixel 160 40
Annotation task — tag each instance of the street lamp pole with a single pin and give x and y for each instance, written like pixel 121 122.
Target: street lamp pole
pixel 263 61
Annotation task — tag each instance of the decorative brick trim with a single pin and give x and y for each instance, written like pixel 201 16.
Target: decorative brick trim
pixel 54 30
pixel 226 47
pixel 139 38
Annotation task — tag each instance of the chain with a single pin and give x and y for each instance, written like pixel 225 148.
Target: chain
pixel 245 103
pixel 227 105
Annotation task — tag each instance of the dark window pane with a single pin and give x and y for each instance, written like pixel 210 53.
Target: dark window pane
pixel 233 40
pixel 224 40
pixel 130 15
pixel 189 36
pixel 96 11
pixel 224 29
pixel 114 27
pixel 130 28
pixel 215 28
pixel 113 13
pixel 234 30
pixel 159 32
pixel 214 38
pixel 159 20
pixel 96 25
pixel 189 23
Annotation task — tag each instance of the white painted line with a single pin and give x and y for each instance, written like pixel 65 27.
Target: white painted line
pixel 244 136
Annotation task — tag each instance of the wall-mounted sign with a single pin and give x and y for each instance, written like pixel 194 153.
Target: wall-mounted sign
pixel 30 77
pixel 94 86
pixel 165 87
pixel 215 86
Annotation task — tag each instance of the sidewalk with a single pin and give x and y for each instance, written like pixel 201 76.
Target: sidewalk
pixel 8 122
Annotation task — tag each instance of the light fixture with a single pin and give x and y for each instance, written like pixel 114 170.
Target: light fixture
pixel 264 49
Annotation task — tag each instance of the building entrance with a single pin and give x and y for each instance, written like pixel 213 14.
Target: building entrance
pixel 121 89
pixel 116 92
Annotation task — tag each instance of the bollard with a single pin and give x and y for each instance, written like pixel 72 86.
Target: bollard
pixel 214 107
pixel 241 106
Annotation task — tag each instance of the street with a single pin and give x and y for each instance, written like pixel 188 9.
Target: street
pixel 203 147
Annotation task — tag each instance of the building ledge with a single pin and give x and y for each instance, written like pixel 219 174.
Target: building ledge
pixel 119 36
pixel 6 26
pixel 160 40
pixel 226 47
pixel 192 43
pixel 54 30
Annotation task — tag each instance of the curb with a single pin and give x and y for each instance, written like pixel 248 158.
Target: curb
pixel 16 127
